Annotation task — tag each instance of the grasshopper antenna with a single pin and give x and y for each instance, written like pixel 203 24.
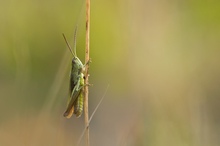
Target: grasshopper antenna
pixel 69 45
pixel 75 32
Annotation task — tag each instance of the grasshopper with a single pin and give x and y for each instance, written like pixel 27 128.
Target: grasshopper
pixel 76 87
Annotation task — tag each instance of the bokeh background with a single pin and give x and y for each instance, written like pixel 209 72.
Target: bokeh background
pixel 161 60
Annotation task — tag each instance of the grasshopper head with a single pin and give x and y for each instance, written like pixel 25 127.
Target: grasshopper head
pixel 77 63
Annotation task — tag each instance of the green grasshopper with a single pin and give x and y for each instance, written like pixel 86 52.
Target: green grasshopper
pixel 76 88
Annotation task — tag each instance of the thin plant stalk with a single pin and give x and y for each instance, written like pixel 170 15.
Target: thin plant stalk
pixel 87 58
pixel 93 113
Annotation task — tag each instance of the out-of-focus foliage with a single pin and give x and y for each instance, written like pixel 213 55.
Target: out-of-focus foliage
pixel 161 59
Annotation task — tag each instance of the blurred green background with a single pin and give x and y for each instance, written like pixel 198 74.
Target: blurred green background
pixel 160 58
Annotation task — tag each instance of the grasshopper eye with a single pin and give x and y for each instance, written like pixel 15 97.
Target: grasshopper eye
pixel 74 59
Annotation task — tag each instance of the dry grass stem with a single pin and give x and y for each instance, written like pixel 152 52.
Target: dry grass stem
pixel 87 58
